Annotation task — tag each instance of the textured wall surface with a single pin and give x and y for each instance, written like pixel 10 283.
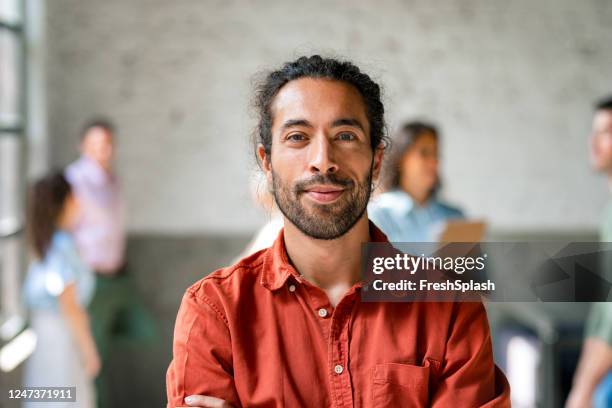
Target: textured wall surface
pixel 511 84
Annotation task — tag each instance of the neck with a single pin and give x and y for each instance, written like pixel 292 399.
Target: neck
pixel 419 196
pixel 333 265
pixel 63 223
pixel 105 167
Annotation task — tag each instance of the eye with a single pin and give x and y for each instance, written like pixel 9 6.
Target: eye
pixel 346 137
pixel 296 137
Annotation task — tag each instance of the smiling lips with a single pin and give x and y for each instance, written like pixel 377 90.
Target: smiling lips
pixel 324 193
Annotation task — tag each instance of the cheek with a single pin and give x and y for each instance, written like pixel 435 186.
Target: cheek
pixel 406 165
pixel 357 163
pixel 97 150
pixel 432 163
pixel 418 166
pixel 284 170
pixel 602 146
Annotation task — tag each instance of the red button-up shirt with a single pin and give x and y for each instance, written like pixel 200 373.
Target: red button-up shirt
pixel 258 334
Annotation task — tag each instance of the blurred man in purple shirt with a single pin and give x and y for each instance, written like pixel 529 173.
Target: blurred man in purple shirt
pixel 100 232
pixel 100 236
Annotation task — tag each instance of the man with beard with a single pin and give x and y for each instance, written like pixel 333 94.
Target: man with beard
pixel 286 325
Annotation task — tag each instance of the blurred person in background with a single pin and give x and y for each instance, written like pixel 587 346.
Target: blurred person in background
pixel 115 310
pixel 409 210
pixel 265 236
pixel 57 290
pixel 593 379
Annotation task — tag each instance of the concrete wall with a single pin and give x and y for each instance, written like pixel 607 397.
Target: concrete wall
pixel 511 83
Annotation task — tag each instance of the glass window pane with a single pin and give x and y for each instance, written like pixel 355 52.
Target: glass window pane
pixel 10 11
pixel 10 183
pixel 10 78
pixel 11 263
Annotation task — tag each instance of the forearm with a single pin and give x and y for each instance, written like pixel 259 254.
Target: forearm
pixel 595 362
pixel 78 323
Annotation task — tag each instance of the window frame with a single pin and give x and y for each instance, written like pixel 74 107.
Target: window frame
pixel 12 248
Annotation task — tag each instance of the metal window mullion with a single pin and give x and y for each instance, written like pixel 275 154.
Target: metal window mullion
pixel 10 131
pixel 18 31
pixel 16 28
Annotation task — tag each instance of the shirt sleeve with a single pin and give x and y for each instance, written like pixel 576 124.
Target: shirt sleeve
pixel 75 267
pixel 61 267
pixel 599 322
pixel 469 377
pixel 202 357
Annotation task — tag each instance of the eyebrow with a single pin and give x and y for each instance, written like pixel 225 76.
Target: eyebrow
pixel 336 123
pixel 296 122
pixel 348 122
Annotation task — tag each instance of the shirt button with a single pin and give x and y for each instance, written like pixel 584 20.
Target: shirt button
pixel 338 369
pixel 291 288
pixel 322 312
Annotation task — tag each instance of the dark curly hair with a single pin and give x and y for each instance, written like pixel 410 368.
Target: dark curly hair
pixel 318 67
pixel 604 103
pixel 97 122
pixel 46 201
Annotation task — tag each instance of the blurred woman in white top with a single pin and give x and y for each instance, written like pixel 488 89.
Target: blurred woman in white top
pixel 57 289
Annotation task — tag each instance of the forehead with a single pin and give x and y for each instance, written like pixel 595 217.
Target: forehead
pixel 426 137
pixel 98 133
pixel 603 119
pixel 318 100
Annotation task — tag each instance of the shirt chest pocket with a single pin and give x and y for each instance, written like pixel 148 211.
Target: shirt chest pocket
pixel 400 385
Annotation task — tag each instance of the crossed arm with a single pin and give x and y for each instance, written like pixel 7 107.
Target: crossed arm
pixel 202 358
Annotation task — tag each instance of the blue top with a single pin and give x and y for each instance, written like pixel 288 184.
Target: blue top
pixel 402 220
pixel 61 266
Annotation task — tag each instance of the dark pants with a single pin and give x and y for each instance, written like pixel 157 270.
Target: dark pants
pixel 116 315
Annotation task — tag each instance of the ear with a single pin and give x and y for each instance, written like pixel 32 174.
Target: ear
pixel 265 162
pixel 378 160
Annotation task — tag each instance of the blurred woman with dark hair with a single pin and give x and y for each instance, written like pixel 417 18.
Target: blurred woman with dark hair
pixel 57 289
pixel 409 210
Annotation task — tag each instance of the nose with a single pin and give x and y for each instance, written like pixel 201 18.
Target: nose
pixel 435 162
pixel 321 156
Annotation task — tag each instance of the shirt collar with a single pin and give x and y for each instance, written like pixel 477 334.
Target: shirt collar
pixel 400 202
pixel 94 171
pixel 276 268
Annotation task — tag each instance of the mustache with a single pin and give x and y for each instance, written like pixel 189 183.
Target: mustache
pixel 320 179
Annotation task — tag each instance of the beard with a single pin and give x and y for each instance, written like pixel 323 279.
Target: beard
pixel 323 221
